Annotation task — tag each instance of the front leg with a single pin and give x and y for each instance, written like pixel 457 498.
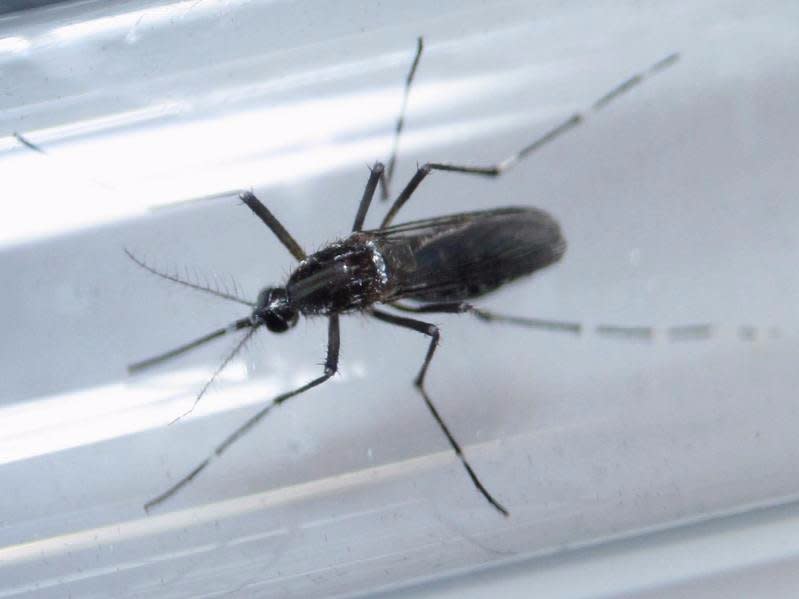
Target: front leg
pixel 331 366
pixel 274 225
pixel 376 174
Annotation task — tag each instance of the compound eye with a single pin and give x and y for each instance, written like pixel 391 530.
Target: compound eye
pixel 275 323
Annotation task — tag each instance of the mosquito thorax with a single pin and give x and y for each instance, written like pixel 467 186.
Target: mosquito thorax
pixel 274 310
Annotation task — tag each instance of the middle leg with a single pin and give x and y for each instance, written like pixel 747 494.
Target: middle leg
pixel 432 331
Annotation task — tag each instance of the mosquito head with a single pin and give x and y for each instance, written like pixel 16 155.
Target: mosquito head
pixel 274 310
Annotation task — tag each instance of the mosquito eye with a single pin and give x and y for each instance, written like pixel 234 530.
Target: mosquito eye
pixel 275 323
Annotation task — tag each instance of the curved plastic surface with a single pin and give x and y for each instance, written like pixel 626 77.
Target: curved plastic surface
pixel 678 203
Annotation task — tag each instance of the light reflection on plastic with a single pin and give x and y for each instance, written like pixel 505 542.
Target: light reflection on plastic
pixel 71 420
pixel 121 173
pixel 14 45
pixel 130 20
pixel 120 532
pixel 110 122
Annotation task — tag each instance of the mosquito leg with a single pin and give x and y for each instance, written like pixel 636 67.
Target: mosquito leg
pixel 236 326
pixel 331 365
pixel 405 195
pixel 535 323
pixel 462 307
pixel 274 225
pixel 376 174
pixel 689 332
pixel 401 120
pixel 432 332
pixel 503 166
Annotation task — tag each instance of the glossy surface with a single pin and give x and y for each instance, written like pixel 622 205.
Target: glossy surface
pixel 463 256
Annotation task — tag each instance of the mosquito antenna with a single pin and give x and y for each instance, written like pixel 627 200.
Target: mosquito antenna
pixel 144 364
pixel 217 372
pixel 386 180
pixel 187 283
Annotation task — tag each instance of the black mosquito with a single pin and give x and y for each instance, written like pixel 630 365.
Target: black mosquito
pixel 423 267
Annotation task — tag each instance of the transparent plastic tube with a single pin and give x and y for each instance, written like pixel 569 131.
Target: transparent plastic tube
pixel 677 203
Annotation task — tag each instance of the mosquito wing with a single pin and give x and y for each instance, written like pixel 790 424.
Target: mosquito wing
pixel 462 256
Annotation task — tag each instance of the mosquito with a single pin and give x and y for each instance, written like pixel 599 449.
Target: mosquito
pixel 437 265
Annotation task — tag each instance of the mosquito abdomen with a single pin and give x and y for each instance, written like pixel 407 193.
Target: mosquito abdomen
pixel 468 255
